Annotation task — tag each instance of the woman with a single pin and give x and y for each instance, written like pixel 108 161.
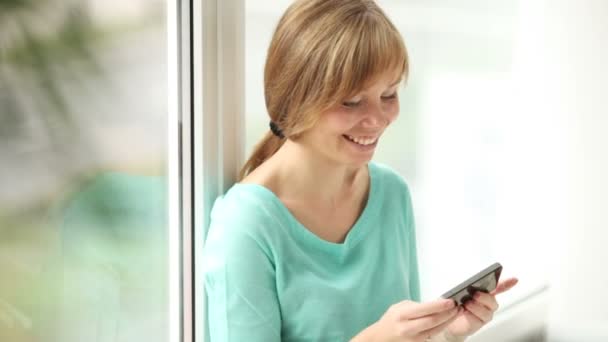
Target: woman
pixel 316 242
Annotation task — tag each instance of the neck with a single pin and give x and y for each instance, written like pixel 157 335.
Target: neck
pixel 303 173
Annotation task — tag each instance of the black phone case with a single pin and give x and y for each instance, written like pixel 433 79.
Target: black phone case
pixel 485 281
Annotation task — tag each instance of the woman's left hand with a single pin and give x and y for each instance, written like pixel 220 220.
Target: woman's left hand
pixel 478 311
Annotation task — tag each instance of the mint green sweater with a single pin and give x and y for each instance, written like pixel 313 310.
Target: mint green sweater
pixel 268 278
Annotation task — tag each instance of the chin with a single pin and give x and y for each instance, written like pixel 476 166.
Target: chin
pixel 359 161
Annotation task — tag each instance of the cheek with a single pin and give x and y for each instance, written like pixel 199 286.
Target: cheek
pixel 393 112
pixel 339 121
pixel 327 128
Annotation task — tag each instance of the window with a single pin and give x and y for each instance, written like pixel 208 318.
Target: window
pixel 85 182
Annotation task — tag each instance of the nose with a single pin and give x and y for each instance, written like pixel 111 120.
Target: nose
pixel 377 117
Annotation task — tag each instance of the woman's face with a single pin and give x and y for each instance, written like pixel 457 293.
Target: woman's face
pixel 349 132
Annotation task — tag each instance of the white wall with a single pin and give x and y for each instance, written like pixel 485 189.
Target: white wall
pixel 560 69
pixel 577 36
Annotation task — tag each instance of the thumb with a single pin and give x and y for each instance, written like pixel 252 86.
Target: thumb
pixel 505 286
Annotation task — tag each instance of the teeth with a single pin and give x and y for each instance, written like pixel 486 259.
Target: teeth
pixel 362 141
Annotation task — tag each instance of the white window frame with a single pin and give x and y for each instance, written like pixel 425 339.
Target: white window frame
pixel 178 111
pixel 217 136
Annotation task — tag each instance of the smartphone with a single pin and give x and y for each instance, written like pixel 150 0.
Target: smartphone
pixel 485 281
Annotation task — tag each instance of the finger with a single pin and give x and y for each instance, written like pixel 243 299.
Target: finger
pixel 438 329
pixel 505 285
pixel 432 321
pixel 472 318
pixel 486 299
pixel 415 310
pixel 481 312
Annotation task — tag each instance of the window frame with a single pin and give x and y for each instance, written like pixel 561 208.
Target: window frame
pixel 178 153
pixel 216 130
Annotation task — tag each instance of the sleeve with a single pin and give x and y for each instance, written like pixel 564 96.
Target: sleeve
pixel 397 188
pixel 414 273
pixel 412 245
pixel 239 278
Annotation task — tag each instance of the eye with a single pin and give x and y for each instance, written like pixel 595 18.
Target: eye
pixel 351 104
pixel 390 97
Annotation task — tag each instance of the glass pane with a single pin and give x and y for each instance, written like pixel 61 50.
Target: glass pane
pixel 83 199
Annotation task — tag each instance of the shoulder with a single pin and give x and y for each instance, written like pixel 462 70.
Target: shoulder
pixel 245 202
pixel 246 210
pixel 241 237
pixel 389 179
pixel 395 195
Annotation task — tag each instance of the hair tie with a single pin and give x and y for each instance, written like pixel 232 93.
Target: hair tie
pixel 276 130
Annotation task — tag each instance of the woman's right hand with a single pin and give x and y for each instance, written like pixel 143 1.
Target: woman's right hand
pixel 409 321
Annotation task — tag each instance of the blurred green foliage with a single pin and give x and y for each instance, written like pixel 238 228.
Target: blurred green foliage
pixel 87 253
pixel 41 44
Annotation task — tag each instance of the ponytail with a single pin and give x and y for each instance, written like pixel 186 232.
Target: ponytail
pixel 268 146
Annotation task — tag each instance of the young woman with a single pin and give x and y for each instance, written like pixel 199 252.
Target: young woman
pixel 316 242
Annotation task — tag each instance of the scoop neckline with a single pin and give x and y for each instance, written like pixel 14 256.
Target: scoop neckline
pixel 354 235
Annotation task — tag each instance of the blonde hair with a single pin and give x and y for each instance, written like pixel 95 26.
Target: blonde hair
pixel 322 52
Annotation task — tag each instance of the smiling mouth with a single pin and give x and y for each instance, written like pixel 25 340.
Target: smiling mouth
pixel 363 141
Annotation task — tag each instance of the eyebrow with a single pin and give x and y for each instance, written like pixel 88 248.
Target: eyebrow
pixel 390 86
pixel 396 82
